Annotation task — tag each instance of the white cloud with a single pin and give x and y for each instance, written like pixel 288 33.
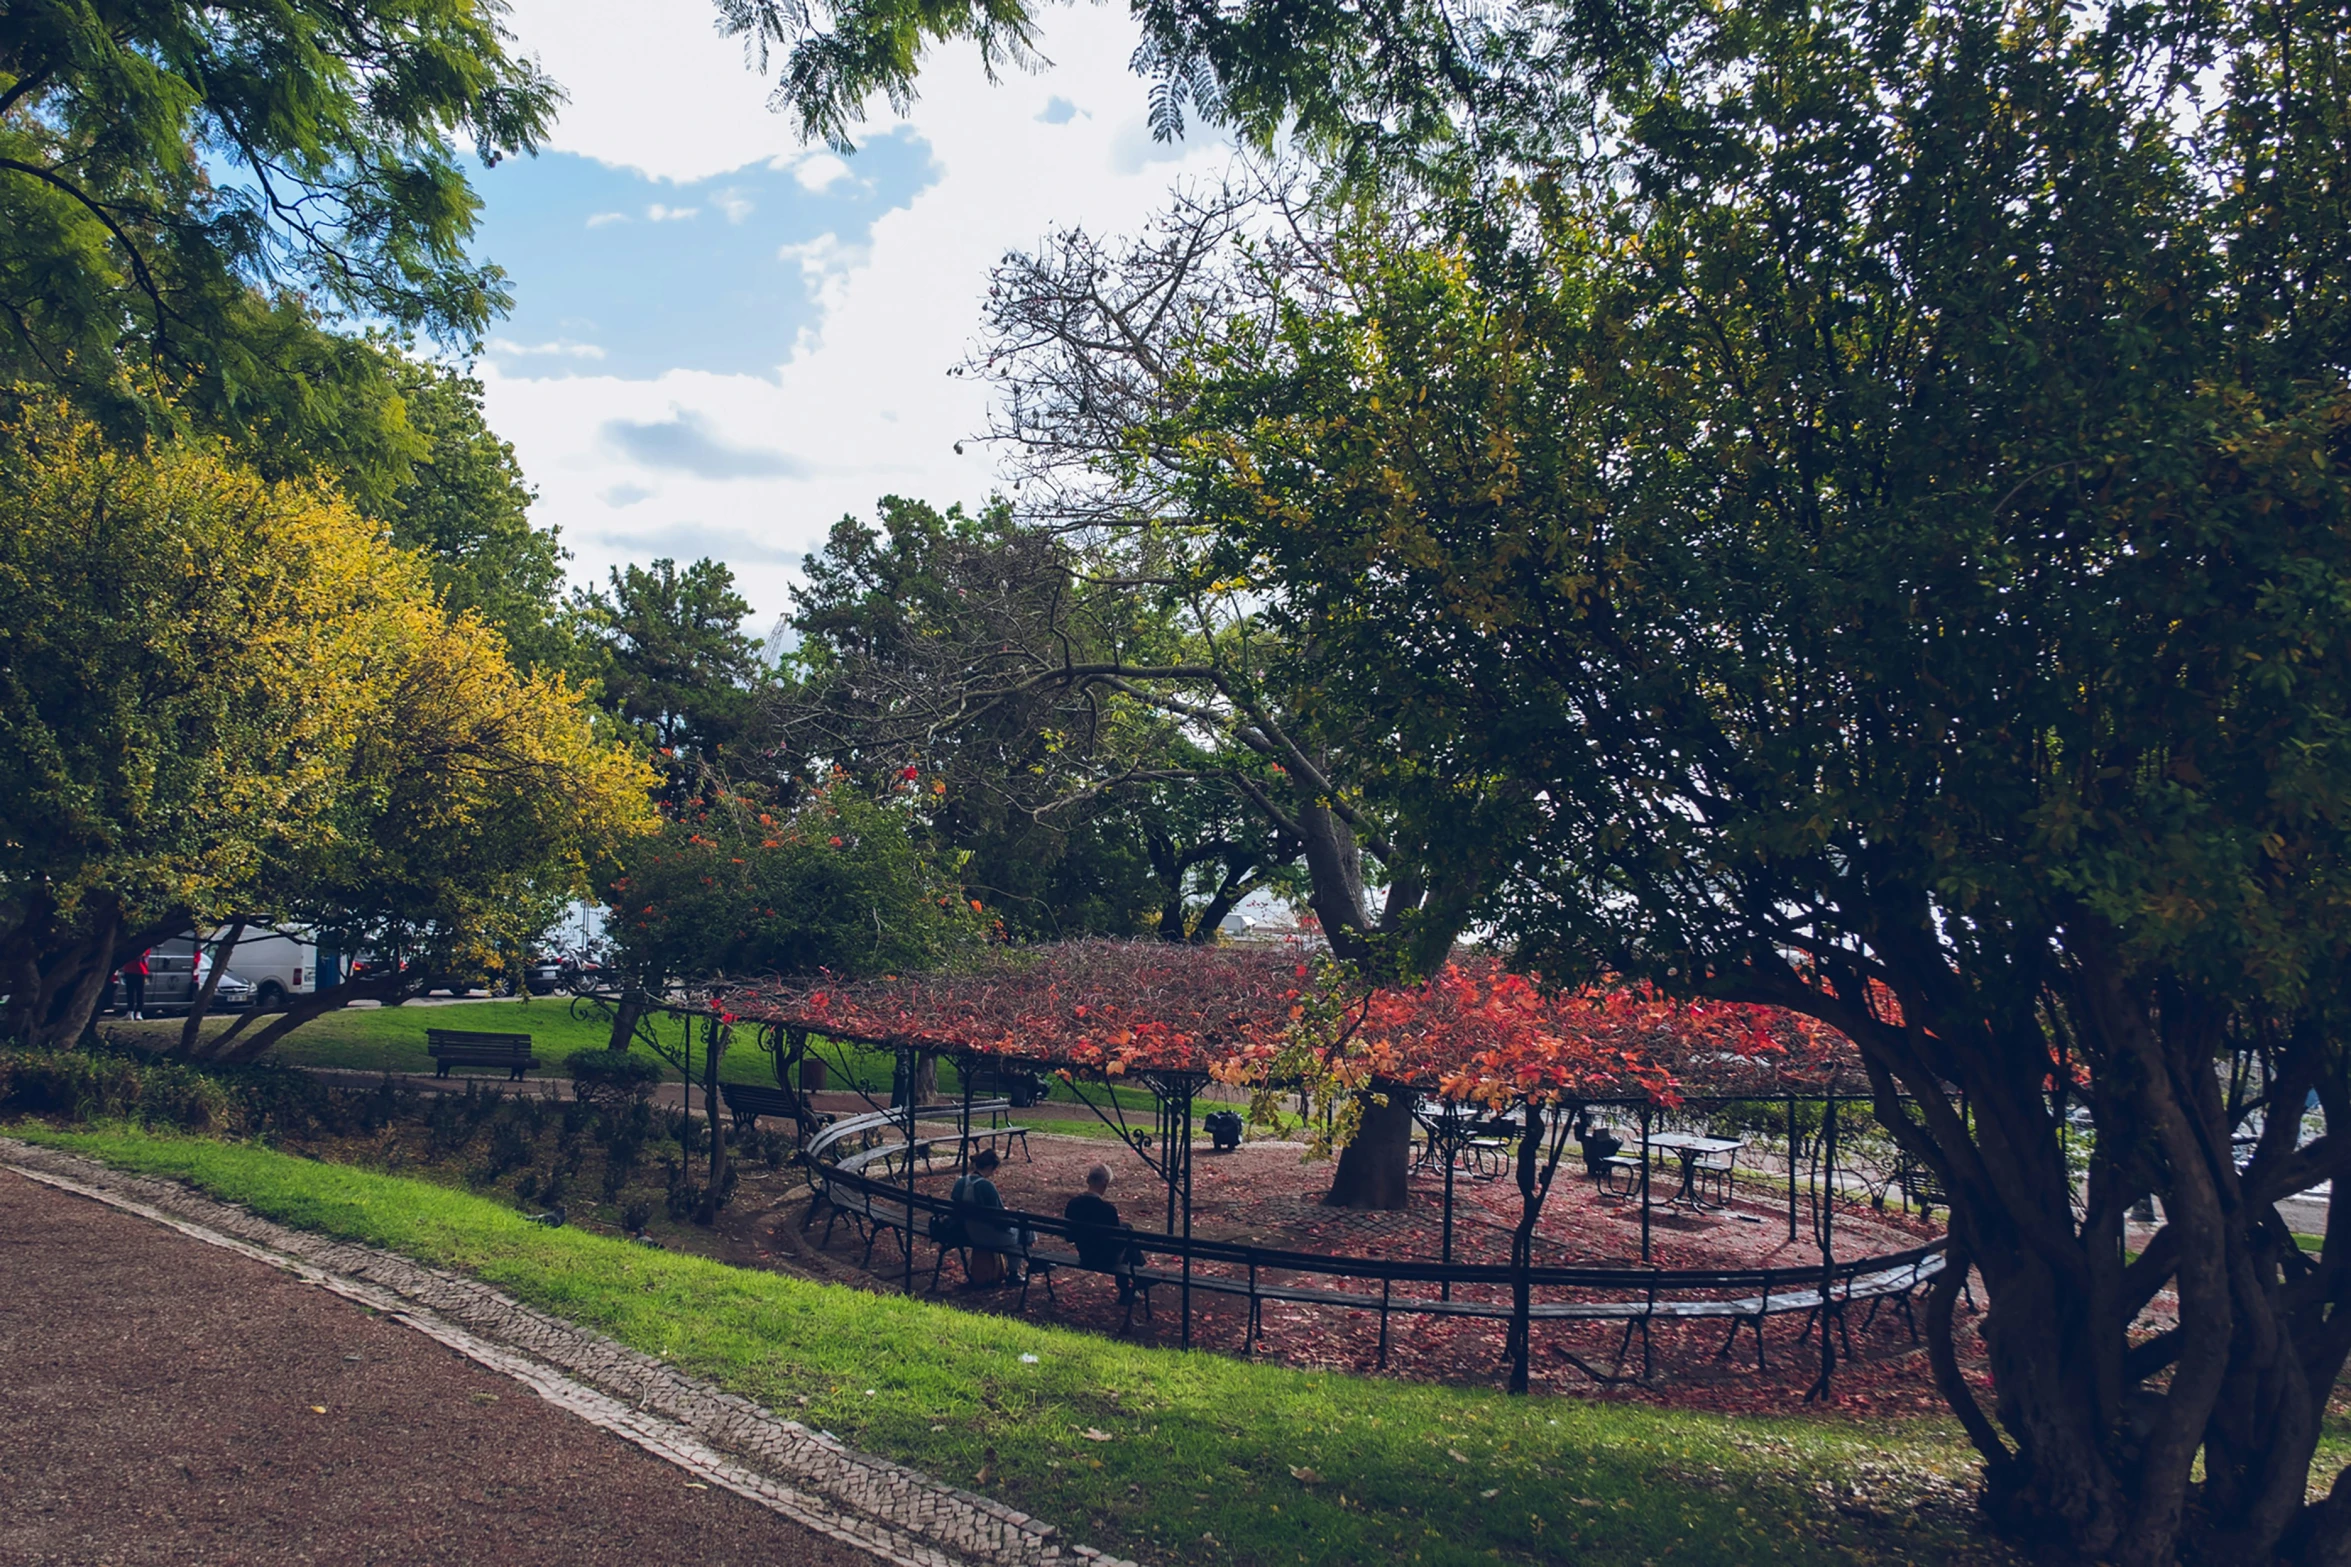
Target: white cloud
pixel 864 406
pixel 598 220
pixel 826 266
pixel 507 347
pixel 657 213
pixel 733 203
pixel 820 171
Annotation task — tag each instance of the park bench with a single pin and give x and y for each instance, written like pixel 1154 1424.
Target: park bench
pixel 747 1102
pixel 1040 1262
pixel 462 1047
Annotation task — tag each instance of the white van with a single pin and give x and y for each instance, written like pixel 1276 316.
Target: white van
pixel 277 963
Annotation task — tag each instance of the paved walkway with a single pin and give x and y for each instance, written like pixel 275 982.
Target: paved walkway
pixel 170 1401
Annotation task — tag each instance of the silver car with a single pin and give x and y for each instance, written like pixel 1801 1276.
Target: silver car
pixel 172 983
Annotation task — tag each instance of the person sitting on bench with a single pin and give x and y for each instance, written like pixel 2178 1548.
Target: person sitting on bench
pixel 992 1244
pixel 1099 1237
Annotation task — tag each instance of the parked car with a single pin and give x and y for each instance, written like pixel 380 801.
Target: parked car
pixel 280 964
pixel 542 975
pixel 175 972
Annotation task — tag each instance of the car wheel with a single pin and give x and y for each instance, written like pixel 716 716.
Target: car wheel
pixel 270 997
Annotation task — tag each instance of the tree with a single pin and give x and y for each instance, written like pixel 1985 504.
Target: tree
pixel 228 692
pixel 464 505
pixel 839 885
pixel 729 891
pixel 182 186
pixel 1073 812
pixel 479 802
pixel 1886 517
pixel 674 661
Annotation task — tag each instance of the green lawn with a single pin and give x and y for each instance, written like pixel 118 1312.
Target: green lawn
pixel 1205 1451
pixel 392 1039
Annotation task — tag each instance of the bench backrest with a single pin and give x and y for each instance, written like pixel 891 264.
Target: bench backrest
pixel 466 1039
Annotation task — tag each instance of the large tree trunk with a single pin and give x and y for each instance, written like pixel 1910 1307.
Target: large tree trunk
pixel 1375 1167
pixel 233 1047
pixel 68 974
pixel 926 1080
pixel 2094 1437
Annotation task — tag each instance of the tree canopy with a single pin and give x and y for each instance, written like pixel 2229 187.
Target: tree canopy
pixel 182 185
pixel 234 697
pixel 1851 515
pixel 673 661
pixel 1277 1013
pixel 1885 521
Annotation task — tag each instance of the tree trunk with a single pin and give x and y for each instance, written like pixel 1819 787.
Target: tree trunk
pixel 230 1048
pixel 193 1029
pixel 1375 1167
pixel 624 1020
pixel 926 1080
pixel 75 983
pixel 714 1040
pixel 1534 1185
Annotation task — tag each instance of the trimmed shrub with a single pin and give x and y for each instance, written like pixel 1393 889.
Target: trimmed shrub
pixel 81 1085
pixel 610 1079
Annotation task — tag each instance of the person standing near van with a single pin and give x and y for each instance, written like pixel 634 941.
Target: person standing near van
pixel 134 986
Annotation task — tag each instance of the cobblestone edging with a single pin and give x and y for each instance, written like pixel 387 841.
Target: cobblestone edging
pixel 894 1512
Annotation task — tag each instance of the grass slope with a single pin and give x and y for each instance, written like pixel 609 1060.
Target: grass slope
pixel 392 1039
pixel 1208 1458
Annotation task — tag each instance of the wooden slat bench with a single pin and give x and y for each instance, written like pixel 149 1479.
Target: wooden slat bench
pixel 747 1102
pixel 462 1047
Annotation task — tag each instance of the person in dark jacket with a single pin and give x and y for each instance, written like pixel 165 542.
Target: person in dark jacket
pixel 1102 1241
pixel 994 1243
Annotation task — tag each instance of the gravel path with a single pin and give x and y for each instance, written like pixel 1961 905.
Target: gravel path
pixel 167 1401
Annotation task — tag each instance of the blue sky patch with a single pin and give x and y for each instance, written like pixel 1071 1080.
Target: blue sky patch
pixel 616 273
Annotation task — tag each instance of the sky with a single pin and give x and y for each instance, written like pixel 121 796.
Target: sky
pixel 722 339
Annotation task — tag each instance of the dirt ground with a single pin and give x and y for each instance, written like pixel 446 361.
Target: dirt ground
pixel 165 1401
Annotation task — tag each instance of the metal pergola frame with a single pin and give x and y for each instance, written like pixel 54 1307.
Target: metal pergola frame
pixel 1168 1152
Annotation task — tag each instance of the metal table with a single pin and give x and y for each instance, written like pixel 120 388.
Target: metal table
pixel 1694 1147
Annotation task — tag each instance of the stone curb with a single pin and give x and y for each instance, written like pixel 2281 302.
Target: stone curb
pixel 892 1511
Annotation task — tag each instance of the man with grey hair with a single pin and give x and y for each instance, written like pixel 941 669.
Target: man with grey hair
pixel 1099 1236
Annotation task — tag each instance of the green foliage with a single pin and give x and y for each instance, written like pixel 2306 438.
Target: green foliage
pixel 186 649
pixel 167 167
pixel 669 649
pixel 837 883
pixel 464 506
pixel 75 1085
pixel 1877 536
pixel 232 696
pixel 937 637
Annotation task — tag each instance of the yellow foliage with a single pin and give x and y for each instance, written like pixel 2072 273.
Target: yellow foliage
pixel 232 694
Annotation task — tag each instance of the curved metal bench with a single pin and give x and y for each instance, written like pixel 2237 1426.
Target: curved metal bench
pixel 1745 1298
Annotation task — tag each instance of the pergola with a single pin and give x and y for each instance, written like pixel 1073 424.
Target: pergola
pixel 1476 1038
